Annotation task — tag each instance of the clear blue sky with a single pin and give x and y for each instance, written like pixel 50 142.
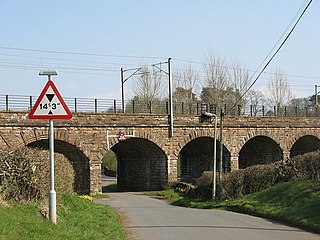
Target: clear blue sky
pixel 129 33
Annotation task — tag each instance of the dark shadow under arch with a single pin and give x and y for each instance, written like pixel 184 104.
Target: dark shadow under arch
pixel 79 161
pixel 304 145
pixel 259 150
pixel 197 156
pixel 142 165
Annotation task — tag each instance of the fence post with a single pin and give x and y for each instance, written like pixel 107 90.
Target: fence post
pixel 115 106
pixel 167 107
pixel 133 106
pixel 75 104
pixel 263 111
pixel 239 110
pixel 182 108
pixel 150 107
pixel 198 108
pixel 296 110
pixel 95 105
pixel 30 102
pixel 7 102
pixel 275 110
pixel 285 111
pixel 306 111
pixel 250 110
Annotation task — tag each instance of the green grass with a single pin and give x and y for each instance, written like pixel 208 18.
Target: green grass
pixel 77 219
pixel 295 203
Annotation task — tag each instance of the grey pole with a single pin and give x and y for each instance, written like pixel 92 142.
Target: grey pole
pixel 221 143
pixel 170 98
pixel 316 94
pixel 214 172
pixel 52 193
pixel 122 90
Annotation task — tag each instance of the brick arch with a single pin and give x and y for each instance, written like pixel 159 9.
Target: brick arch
pixel 93 168
pixel 29 136
pixel 254 133
pixel 154 138
pixel 259 149
pixel 298 135
pixel 79 162
pixel 144 134
pixel 193 134
pixel 306 143
pixel 142 164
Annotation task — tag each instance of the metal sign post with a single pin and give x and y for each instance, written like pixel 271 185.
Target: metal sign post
pixel 52 193
pixel 50 105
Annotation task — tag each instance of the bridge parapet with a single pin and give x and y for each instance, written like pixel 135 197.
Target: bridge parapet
pixel 20 118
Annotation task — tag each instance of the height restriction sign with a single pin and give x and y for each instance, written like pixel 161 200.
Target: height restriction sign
pixel 50 105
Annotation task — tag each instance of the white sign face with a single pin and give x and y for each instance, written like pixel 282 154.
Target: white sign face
pixel 50 105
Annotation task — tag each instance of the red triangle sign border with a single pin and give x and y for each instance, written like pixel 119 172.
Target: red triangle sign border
pixel 68 114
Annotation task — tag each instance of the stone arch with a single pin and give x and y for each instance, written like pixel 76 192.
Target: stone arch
pixel 251 133
pixel 79 161
pixel 259 150
pixel 197 157
pixel 305 144
pixel 142 165
pixel 187 137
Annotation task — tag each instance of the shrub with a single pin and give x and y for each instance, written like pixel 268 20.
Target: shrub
pixel 203 186
pixel 24 174
pixel 231 186
pixel 245 181
pixel 308 166
pixel 109 164
pixel 182 188
pixel 259 177
pixel 305 166
pixel 286 170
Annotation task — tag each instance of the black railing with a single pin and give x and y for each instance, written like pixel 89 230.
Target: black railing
pixel 96 105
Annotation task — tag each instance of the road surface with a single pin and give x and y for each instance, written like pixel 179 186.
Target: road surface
pixel 148 218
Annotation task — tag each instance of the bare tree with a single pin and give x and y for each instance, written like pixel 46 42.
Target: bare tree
pixel 149 86
pixel 239 81
pixel 256 101
pixel 278 91
pixel 185 84
pixel 216 80
pixel 239 77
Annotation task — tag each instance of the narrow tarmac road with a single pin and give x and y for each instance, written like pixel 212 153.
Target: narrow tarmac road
pixel 148 218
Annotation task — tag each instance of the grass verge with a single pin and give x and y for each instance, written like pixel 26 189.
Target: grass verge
pixel 295 203
pixel 77 219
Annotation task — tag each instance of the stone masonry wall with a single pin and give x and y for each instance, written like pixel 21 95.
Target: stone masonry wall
pixel 88 132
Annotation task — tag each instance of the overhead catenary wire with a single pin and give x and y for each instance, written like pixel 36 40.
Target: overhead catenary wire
pixel 95 65
pixel 80 53
pixel 275 53
pixel 279 40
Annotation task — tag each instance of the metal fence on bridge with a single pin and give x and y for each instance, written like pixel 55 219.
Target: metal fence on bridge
pixel 96 105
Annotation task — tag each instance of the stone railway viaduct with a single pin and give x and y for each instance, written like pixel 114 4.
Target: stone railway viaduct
pixel 150 159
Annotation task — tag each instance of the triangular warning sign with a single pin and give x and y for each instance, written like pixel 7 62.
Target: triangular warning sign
pixel 50 105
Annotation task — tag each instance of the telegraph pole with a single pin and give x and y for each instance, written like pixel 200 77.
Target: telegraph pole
pixel 156 65
pixel 316 95
pixel 221 143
